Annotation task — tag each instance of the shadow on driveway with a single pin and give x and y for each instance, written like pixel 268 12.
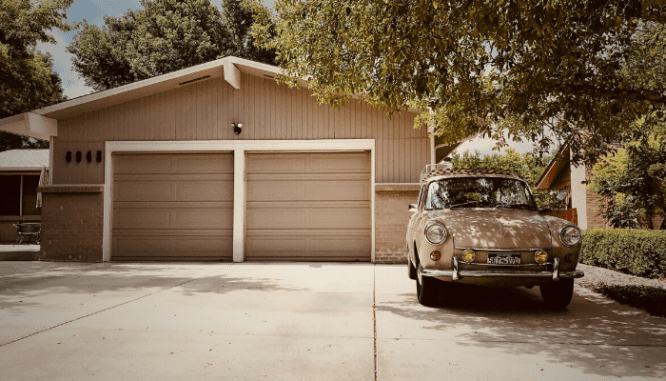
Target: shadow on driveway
pixel 593 334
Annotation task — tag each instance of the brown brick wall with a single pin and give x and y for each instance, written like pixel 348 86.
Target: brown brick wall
pixel 595 219
pixel 391 218
pixel 72 224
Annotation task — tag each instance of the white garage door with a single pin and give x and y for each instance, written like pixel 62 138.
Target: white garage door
pixel 173 207
pixel 308 207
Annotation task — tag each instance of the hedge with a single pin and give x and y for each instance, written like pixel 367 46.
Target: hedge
pixel 637 252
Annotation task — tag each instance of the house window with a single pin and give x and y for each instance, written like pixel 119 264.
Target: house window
pixel 18 195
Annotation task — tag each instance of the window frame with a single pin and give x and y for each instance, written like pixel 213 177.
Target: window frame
pixel 22 175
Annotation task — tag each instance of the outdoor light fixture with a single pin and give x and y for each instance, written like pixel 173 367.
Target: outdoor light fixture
pixel 78 156
pixel 99 156
pixel 68 157
pixel 237 128
pixel 89 157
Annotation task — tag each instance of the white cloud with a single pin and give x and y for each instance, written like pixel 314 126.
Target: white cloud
pixel 72 84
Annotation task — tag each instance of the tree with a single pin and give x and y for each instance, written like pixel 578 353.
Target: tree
pixel 27 79
pixel 239 18
pixel 528 166
pixel 632 181
pixel 164 36
pixel 477 66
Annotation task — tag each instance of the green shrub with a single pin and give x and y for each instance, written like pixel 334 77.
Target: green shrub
pixel 636 252
pixel 650 299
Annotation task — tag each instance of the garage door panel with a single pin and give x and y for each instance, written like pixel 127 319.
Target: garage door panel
pixel 339 162
pixel 173 248
pixel 267 163
pixel 307 246
pixel 200 218
pixel 322 218
pixel 203 164
pixel 308 207
pixel 290 190
pixel 141 219
pixel 142 191
pixel 135 246
pixel 204 191
pixel 172 207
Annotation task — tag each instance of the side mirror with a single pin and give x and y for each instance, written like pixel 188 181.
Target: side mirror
pixel 413 207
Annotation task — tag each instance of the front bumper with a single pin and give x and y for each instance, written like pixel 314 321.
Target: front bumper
pixel 456 274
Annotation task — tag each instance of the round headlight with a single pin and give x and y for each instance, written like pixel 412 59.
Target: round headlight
pixel 469 256
pixel 435 233
pixel 570 235
pixel 540 256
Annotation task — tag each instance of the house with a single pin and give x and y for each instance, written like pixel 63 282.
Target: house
pixel 20 171
pixel 218 162
pixel 561 174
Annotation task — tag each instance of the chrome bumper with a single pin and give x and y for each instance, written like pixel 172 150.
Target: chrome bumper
pixel 456 274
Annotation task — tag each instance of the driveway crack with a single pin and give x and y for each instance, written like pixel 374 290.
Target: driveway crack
pixel 98 312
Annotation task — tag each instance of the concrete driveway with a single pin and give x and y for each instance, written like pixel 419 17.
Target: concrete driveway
pixel 305 321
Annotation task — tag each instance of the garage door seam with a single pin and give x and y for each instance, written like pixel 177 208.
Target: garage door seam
pixel 97 312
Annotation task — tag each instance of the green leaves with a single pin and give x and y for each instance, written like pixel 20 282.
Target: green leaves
pixel 165 36
pixel 633 180
pixel 564 66
pixel 27 80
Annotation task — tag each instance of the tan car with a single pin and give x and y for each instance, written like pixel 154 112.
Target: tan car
pixel 484 228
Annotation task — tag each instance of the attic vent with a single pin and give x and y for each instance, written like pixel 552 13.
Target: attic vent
pixel 194 80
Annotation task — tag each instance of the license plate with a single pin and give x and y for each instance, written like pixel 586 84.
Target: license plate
pixel 504 258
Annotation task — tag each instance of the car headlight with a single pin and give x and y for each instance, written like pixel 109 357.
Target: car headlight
pixel 570 235
pixel 435 233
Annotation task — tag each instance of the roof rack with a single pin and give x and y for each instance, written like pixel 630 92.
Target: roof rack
pixel 447 168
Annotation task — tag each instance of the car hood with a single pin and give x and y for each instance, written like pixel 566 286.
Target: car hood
pixel 492 228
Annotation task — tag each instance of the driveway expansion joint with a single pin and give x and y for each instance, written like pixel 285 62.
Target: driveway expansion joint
pixel 98 312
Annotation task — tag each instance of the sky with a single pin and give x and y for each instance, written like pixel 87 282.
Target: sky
pixel 93 12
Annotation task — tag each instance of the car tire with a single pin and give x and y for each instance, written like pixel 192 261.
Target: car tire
pixel 557 295
pixel 426 289
pixel 411 270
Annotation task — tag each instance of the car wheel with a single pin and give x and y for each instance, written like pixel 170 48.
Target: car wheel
pixel 411 270
pixel 557 295
pixel 426 288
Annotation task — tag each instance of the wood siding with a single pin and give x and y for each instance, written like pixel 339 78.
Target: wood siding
pixel 206 110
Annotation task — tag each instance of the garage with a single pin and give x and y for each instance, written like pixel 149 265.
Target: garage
pixel 172 207
pixel 308 206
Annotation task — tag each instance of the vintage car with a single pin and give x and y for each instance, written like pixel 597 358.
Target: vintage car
pixel 483 228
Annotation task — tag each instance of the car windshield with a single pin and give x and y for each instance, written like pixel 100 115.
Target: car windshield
pixel 472 192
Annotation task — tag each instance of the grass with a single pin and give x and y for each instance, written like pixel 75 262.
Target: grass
pixel 650 299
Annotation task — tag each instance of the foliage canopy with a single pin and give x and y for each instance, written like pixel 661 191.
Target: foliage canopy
pixel 27 79
pixel 583 69
pixel 164 36
pixel 633 181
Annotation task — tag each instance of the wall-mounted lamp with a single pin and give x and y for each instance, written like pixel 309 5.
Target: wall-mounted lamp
pixel 68 157
pixel 89 157
pixel 78 156
pixel 237 128
pixel 99 156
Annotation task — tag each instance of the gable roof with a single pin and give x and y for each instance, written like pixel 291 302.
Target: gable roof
pixel 43 123
pixel 24 159
pixel 558 164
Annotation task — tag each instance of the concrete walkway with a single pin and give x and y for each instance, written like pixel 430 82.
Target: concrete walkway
pixel 12 252
pixel 306 321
